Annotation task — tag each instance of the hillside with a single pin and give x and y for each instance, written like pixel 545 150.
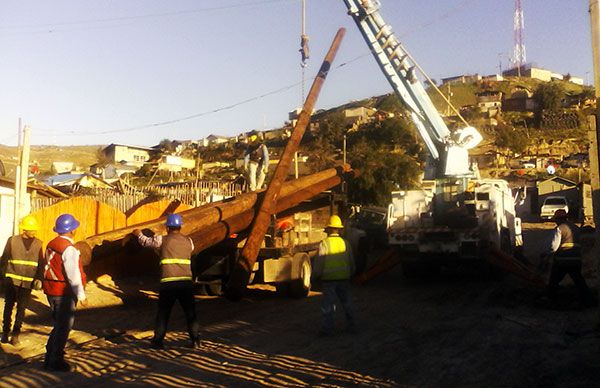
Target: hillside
pixel 81 156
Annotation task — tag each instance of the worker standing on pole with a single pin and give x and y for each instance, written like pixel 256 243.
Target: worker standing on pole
pixel 566 258
pixel 175 278
pixel 21 266
pixel 256 161
pixel 334 265
pixel 64 284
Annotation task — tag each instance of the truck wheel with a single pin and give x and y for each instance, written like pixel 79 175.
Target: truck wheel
pixel 215 289
pixel 301 273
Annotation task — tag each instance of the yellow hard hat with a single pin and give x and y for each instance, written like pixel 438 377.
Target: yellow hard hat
pixel 29 223
pixel 335 222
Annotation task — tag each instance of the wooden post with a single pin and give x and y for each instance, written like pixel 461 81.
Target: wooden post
pixel 241 272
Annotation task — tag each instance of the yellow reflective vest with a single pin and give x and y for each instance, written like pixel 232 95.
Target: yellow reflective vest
pixel 337 258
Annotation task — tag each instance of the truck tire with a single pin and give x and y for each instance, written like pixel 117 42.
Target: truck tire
pixel 301 273
pixel 215 289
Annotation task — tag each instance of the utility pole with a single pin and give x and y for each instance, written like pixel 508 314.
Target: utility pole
pixel 17 203
pixel 593 131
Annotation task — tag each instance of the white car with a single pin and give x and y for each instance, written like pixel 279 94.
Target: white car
pixel 552 204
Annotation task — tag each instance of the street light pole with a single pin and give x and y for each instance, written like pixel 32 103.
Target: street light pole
pixel 593 131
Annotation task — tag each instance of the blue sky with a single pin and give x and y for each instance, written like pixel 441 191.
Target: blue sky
pixel 100 72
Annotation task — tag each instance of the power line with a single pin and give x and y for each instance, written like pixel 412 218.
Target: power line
pixel 243 102
pixel 48 27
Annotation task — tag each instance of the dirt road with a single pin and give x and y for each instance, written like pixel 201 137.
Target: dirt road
pixel 457 329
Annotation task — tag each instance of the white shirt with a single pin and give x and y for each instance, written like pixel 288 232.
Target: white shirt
pixel 70 258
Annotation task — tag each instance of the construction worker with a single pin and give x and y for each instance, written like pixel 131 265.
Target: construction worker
pixel 64 284
pixel 22 265
pixel 565 251
pixel 175 278
pixel 334 265
pixel 256 162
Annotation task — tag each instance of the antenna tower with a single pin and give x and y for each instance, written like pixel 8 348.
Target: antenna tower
pixel 519 56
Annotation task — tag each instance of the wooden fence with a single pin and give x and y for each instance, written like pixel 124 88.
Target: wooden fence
pixel 97 217
pixel 193 194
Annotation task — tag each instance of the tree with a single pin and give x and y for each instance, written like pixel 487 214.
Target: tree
pixel 387 154
pixel 548 97
pixel 513 141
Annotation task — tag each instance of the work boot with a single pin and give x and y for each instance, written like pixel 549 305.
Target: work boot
pixel 59 366
pixel 196 344
pixel 4 338
pixel 156 344
pixel 15 339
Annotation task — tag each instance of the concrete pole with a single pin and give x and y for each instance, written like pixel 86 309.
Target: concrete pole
pixel 25 151
pixel 17 203
pixel 594 165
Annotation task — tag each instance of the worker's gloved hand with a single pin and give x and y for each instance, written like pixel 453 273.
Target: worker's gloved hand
pixel 37 284
pixel 266 170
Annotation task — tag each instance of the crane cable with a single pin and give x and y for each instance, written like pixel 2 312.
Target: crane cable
pixel 430 81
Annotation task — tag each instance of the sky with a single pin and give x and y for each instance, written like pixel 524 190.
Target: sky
pixel 139 71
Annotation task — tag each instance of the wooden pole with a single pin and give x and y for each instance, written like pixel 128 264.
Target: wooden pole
pixel 241 272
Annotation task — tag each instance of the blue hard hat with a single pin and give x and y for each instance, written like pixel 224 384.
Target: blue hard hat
pixel 65 223
pixel 174 221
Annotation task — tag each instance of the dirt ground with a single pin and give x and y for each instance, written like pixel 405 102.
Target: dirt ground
pixel 457 329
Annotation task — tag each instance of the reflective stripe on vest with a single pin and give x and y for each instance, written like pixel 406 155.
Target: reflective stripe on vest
pixel 176 261
pixel 21 262
pixel 175 279
pixel 24 262
pixel 17 277
pixel 569 246
pixel 337 266
pixel 173 267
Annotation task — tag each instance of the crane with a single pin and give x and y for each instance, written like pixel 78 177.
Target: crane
pixel 448 150
pixel 455 213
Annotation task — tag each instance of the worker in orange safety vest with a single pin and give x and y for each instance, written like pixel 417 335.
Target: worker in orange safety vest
pixel 64 284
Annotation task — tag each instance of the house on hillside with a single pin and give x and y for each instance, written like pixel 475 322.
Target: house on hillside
pixel 520 100
pixel 112 172
pixel 213 140
pixel 127 154
pixel 489 102
pixel 462 79
pixel 70 183
pixel 173 163
pixel 61 167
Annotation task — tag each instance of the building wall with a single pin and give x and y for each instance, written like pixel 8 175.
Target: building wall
pixel 7 213
pixel 132 156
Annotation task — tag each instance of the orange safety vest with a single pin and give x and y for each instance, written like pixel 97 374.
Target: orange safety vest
pixel 55 280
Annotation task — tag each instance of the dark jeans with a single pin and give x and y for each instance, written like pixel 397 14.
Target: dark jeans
pixel 20 296
pixel 333 290
pixel 166 299
pixel 571 267
pixel 63 315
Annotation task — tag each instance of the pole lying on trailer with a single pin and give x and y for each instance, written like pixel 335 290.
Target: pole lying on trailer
pixel 241 272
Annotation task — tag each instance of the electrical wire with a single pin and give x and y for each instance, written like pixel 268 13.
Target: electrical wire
pixel 55 132
pixel 50 27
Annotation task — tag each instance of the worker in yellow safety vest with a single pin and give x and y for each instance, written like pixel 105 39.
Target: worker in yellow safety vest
pixel 21 267
pixel 566 258
pixel 334 266
pixel 175 278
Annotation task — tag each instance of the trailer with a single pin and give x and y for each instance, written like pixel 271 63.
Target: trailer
pixel 284 259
